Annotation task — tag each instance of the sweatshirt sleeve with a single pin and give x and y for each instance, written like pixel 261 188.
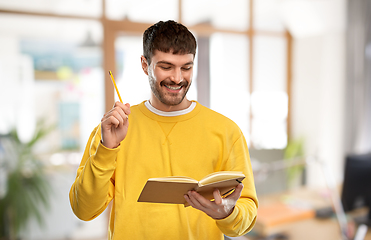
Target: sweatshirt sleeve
pixel 93 188
pixel 243 217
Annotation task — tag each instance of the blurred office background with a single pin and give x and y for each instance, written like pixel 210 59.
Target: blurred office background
pixel 295 75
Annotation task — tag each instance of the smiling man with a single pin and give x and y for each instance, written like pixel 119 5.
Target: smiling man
pixel 167 135
pixel 170 76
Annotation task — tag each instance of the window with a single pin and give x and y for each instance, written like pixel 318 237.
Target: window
pixel 229 86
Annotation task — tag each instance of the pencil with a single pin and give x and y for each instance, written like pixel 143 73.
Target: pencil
pixel 114 83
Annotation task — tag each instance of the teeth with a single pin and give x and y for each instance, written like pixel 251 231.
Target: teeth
pixel 173 88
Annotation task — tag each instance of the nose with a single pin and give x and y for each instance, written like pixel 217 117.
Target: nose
pixel 177 76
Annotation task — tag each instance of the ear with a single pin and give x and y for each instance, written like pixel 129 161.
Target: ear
pixel 144 64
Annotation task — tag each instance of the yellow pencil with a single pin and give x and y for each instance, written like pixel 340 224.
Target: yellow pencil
pixel 114 83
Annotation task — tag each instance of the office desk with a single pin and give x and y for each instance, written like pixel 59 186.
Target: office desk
pixel 296 219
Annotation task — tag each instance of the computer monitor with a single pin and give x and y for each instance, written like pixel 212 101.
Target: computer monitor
pixel 356 192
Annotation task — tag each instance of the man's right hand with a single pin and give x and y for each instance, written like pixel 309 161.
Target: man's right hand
pixel 114 125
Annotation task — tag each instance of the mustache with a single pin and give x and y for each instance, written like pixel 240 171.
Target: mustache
pixel 171 83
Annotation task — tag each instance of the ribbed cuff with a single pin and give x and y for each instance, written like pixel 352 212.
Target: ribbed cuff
pixel 105 158
pixel 228 220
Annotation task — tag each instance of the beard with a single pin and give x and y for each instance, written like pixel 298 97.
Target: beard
pixel 168 98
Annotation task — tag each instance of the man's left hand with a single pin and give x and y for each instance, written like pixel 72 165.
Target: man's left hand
pixel 219 208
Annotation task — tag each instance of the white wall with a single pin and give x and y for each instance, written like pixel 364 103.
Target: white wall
pixel 319 90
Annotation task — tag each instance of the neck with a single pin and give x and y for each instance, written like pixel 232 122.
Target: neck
pixel 169 108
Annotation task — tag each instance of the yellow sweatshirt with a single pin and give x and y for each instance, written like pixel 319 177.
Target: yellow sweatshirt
pixel 194 145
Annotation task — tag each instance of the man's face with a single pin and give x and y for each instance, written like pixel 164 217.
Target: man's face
pixel 170 76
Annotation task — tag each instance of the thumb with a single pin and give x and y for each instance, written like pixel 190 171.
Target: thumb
pixel 217 197
pixel 237 192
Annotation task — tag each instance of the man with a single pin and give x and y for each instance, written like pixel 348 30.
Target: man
pixel 165 136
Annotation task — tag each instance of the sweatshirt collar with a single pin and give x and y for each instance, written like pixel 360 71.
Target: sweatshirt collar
pixel 172 113
pixel 182 115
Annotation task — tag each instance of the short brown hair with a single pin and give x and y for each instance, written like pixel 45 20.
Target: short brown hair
pixel 168 36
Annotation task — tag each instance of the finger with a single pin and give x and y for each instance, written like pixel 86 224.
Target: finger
pixel 110 120
pixel 125 107
pixel 127 112
pixel 217 197
pixel 200 201
pixel 186 197
pixel 121 112
pixel 194 202
pixel 113 118
pixel 112 110
pixel 190 201
pixel 119 116
pixel 120 108
pixel 236 193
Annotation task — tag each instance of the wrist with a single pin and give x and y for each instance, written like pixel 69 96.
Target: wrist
pixel 111 146
pixel 225 216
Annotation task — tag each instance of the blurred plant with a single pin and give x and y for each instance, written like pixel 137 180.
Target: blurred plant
pixel 294 157
pixel 26 185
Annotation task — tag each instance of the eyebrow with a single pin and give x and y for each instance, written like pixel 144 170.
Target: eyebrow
pixel 169 63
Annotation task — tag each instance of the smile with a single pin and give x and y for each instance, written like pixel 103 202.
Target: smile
pixel 173 88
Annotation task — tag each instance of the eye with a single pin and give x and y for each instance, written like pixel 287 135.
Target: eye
pixel 186 68
pixel 165 67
